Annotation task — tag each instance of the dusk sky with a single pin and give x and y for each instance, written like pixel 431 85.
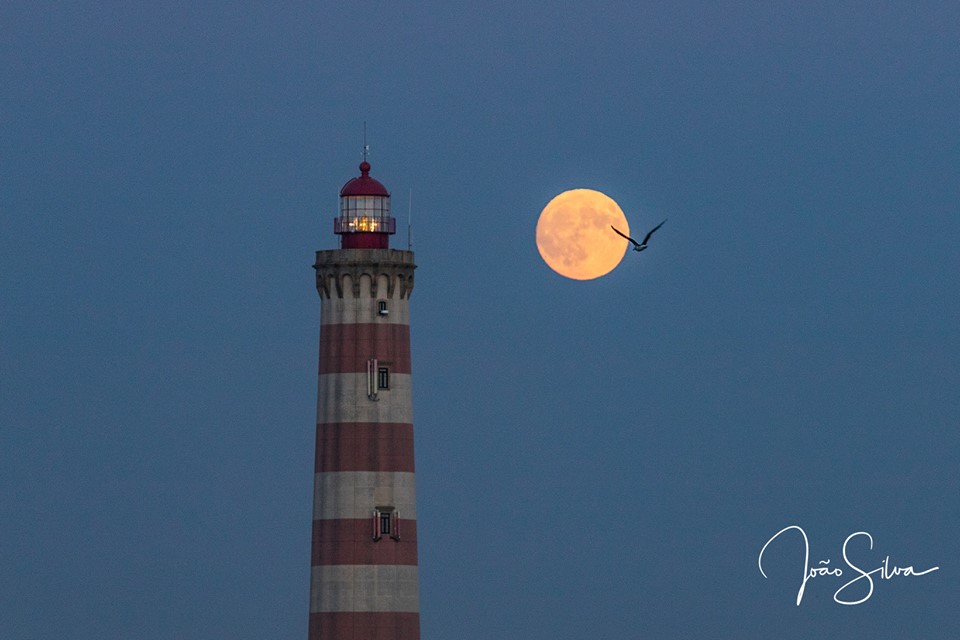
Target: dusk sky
pixel 597 459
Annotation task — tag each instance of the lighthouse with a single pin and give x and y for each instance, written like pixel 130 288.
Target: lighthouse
pixel 363 581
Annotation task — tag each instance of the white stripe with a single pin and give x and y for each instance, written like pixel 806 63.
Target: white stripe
pixel 374 588
pixel 342 397
pixel 355 494
pixel 364 309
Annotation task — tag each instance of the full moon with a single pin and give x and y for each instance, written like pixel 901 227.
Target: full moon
pixel 574 235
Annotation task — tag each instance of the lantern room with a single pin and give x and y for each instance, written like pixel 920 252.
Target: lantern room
pixel 364 221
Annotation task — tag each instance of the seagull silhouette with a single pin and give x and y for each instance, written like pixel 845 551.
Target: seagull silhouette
pixel 639 246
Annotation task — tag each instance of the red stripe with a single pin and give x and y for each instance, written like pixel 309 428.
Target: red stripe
pixel 348 541
pixel 366 625
pixel 364 446
pixel 346 348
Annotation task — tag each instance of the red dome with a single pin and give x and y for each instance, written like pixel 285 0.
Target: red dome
pixel 364 185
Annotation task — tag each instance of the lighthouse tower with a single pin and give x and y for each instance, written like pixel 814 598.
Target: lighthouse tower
pixel 364 553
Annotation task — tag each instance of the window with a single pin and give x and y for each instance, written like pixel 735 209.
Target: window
pixel 383 378
pixel 386 522
pixel 382 307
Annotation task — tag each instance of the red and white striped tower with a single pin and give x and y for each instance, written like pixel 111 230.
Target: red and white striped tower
pixel 364 554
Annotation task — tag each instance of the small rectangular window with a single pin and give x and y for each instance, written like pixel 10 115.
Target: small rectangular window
pixel 382 307
pixel 383 378
pixel 385 522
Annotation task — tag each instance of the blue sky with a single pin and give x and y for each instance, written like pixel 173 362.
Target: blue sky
pixel 598 459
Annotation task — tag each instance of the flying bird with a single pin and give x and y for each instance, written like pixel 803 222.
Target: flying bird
pixel 639 246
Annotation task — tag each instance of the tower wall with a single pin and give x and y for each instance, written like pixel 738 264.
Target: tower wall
pixel 364 581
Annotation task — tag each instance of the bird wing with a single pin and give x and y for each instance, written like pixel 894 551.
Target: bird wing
pixel 650 233
pixel 625 236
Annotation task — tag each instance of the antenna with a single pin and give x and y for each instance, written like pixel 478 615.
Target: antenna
pixel 366 147
pixel 409 218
